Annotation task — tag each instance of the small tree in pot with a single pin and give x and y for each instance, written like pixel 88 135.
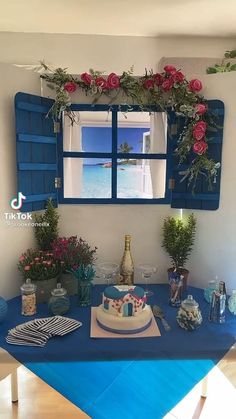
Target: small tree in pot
pixel 178 240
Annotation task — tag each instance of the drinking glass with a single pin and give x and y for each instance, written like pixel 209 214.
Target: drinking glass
pixel 147 271
pixel 108 271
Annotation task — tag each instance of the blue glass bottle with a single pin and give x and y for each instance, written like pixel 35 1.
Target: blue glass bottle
pixel 232 303
pixel 212 286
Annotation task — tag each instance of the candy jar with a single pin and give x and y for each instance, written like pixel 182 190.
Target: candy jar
pixel 232 303
pixel 189 316
pixel 212 286
pixel 28 296
pixel 59 302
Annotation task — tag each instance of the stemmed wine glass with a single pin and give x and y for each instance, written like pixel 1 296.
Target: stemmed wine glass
pixel 108 271
pixel 147 271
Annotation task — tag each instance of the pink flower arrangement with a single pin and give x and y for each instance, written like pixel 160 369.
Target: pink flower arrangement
pixel 113 81
pixel 200 147
pixel 72 252
pixel 168 89
pixel 199 130
pixel 38 265
pixel 195 85
pixel 70 86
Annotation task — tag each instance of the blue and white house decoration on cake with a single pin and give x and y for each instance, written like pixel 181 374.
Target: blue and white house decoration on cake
pixel 3 309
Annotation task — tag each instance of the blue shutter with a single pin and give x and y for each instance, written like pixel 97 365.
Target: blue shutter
pixel 36 150
pixel 182 196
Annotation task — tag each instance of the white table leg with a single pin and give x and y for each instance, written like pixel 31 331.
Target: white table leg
pixel 204 386
pixel 14 386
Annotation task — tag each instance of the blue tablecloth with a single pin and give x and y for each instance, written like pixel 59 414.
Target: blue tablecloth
pixel 125 378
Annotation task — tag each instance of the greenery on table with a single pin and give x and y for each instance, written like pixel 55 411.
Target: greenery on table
pixel 225 66
pixel 47 229
pixel 178 239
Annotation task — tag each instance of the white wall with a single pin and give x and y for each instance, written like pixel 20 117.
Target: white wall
pixel 105 226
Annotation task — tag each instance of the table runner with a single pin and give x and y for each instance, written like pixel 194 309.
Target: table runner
pixel 130 378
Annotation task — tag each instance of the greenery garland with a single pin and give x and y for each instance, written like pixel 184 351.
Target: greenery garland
pixel 225 66
pixel 167 90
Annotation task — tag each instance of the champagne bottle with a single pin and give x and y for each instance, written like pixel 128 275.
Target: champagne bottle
pixel 127 265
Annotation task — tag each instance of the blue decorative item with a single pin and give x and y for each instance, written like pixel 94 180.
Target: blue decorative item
pixel 212 286
pixel 59 302
pixel 176 288
pixel 84 275
pixel 3 309
pixel 232 303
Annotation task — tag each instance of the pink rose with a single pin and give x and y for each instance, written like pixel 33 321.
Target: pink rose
pixel 86 78
pixel 70 87
pixel 200 147
pixel 169 69
pixel 101 82
pixel 148 83
pixel 27 268
pixel 177 77
pixel 158 79
pixel 199 130
pixel 167 84
pixel 21 258
pixel 201 108
pixel 195 85
pixel 113 81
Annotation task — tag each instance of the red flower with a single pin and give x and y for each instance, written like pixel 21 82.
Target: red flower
pixel 169 69
pixel 86 78
pixel 167 84
pixel 113 81
pixel 195 85
pixel 149 83
pixel 158 79
pixel 201 108
pixel 70 87
pixel 199 130
pixel 177 77
pixel 101 82
pixel 200 147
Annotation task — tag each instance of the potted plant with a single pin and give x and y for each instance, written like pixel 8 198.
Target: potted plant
pixel 178 240
pixel 71 253
pixel 46 226
pixel 42 269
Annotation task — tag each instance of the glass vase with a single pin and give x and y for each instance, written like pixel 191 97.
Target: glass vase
pixel 84 293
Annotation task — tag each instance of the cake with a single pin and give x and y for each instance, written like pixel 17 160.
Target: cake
pixel 124 310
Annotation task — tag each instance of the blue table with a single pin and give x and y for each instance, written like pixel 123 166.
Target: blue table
pixel 125 378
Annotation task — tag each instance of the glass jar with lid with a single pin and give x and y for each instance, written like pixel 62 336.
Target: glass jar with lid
pixel 208 291
pixel 59 302
pixel 28 298
pixel 189 316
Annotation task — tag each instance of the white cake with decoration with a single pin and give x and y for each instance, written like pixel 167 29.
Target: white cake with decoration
pixel 124 310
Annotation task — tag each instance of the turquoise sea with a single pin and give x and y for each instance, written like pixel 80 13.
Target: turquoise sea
pixel 96 181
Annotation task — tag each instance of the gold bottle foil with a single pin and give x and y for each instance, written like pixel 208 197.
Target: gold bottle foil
pixel 127 265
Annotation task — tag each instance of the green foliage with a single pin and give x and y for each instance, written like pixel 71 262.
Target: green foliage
pixel 47 230
pixel 224 66
pixel 178 239
pixel 125 148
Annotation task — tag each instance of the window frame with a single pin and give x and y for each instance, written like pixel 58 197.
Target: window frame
pixel 113 155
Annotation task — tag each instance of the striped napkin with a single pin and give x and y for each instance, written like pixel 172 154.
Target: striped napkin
pixel 37 332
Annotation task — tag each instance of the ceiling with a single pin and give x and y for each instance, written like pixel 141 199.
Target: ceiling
pixel 121 17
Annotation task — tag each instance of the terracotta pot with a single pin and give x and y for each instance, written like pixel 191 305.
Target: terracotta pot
pixel 183 272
